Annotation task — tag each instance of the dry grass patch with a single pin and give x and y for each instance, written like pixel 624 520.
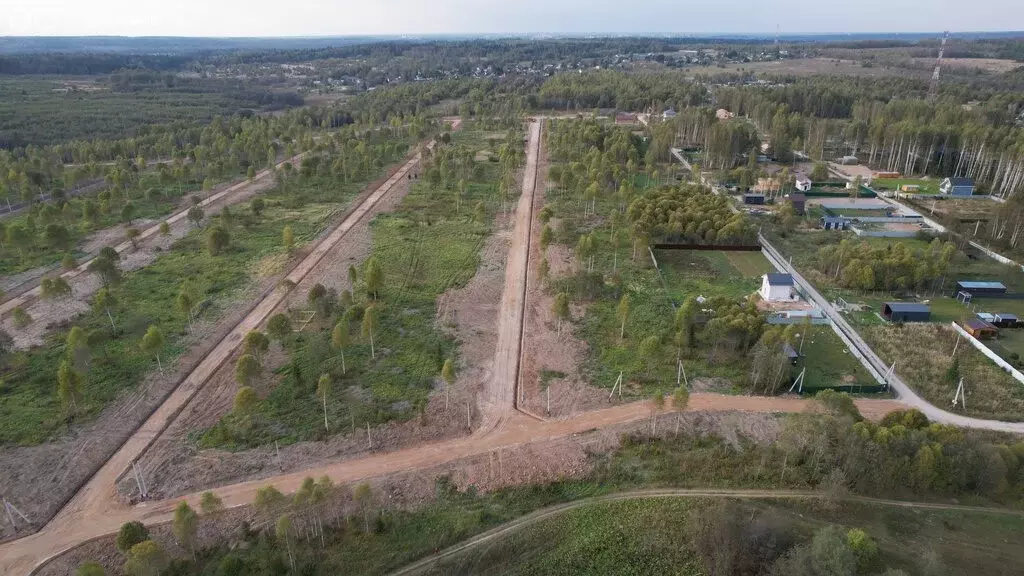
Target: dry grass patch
pixel 923 356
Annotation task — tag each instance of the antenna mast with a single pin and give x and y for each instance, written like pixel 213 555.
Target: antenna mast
pixel 933 89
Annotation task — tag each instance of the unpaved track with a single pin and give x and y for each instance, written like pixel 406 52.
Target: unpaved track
pixel 96 511
pixel 499 398
pixel 551 511
pixel 225 197
pixel 99 513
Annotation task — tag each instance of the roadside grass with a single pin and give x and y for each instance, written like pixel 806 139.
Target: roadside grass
pixel 424 248
pixel 29 409
pixel 923 356
pixel 928 185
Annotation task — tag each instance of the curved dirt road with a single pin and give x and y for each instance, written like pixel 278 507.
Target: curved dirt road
pixel 539 515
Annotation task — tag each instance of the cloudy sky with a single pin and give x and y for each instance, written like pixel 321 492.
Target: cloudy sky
pixel 342 17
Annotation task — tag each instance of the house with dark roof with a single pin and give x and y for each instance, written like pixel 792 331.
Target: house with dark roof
pixel 906 312
pixel 1004 320
pixel 799 202
pixel 778 288
pixel 753 198
pixel 957 186
pixel 973 288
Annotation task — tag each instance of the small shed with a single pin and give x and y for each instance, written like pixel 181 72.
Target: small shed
pixel 778 288
pixel 790 353
pixel 803 183
pixel 849 161
pixel 1006 320
pixel 986 317
pixel 834 223
pixel 979 288
pixel 906 312
pixel 753 198
pixel 799 202
pixel 979 329
pixel 957 186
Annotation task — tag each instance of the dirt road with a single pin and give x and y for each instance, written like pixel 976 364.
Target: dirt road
pixel 97 512
pixel 228 196
pixel 499 398
pixel 551 511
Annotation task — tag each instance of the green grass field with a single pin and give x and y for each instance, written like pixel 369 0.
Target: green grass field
pixel 927 186
pixel 749 264
pixel 830 364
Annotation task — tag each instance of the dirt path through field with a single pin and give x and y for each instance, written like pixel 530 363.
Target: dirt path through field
pixel 744 494
pixel 98 513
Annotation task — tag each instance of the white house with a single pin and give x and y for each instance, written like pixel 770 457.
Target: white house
pixel 668 114
pixel 803 183
pixel 778 288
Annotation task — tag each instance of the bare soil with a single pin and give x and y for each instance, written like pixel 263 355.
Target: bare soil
pixel 539 462
pixel 551 381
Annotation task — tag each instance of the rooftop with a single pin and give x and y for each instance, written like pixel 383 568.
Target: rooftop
pixel 908 307
pixel 976 324
pixel 776 279
pixel 974 284
pixel 961 181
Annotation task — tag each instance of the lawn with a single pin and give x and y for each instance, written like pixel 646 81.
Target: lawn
pixel 830 364
pixel 750 264
pixel 928 185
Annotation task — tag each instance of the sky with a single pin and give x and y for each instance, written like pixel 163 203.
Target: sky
pixel 359 17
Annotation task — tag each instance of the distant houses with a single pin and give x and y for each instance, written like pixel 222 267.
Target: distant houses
pixel 668 114
pixel 906 312
pixel 778 288
pixel 957 186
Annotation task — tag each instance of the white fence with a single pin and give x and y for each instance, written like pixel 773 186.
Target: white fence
pixel 988 352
